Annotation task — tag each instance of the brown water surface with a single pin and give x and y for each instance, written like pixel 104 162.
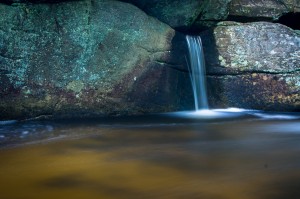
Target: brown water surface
pixel 240 159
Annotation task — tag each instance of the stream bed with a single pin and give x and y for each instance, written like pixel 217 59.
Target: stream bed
pixel 210 155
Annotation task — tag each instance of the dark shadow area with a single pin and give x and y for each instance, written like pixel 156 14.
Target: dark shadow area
pixel 179 51
pixel 11 2
pixel 196 29
pixel 171 90
pixel 76 181
pixel 66 181
pixel 180 55
pixel 291 20
pixel 117 190
pixel 244 19
pixel 283 188
pixel 215 88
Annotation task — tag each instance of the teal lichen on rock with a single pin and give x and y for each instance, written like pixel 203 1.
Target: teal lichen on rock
pixel 75 86
pixel 84 58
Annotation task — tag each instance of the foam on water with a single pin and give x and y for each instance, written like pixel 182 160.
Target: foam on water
pixel 211 113
pixel 6 122
pixel 276 116
pixel 232 113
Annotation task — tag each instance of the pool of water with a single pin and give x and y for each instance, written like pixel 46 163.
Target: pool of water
pixel 220 154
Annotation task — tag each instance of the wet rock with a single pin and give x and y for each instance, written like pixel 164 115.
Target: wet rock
pixel 253 65
pixel 272 92
pixel 86 58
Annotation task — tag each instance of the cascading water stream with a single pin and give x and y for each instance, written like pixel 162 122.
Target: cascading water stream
pixel 196 66
pixel 197 71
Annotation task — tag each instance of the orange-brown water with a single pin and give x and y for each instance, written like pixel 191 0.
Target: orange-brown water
pixel 224 160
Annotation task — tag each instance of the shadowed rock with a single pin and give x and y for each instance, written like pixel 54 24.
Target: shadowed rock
pixel 195 16
pixel 185 15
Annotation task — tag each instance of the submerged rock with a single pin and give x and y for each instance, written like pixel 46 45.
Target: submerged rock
pixel 253 65
pixel 86 58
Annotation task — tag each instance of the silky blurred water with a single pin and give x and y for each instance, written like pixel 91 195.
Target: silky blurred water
pixel 222 154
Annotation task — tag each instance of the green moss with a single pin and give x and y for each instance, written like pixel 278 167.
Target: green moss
pixel 75 86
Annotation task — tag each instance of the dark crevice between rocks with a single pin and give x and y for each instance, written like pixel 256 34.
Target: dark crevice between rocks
pixel 15 2
pixel 10 57
pixel 291 20
pixel 251 72
pixel 39 117
pixel 195 29
pixel 244 19
pixel 173 66
pixel 178 51
pixel 188 30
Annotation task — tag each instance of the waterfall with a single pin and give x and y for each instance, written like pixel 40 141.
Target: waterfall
pixel 197 71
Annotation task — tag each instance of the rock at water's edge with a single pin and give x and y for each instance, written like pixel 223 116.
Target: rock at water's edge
pixel 253 65
pixel 86 58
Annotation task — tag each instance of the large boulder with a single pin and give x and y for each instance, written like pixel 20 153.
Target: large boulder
pixel 211 13
pixel 253 65
pixel 185 15
pixel 271 10
pixel 198 15
pixel 87 58
pixel 178 14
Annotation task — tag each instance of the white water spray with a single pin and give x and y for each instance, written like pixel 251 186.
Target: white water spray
pixel 196 66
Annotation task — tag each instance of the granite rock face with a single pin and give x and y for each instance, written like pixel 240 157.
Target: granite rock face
pixel 86 58
pixel 198 15
pixel 263 9
pixel 253 65
pixel 177 14
pixel 212 12
pixel 185 15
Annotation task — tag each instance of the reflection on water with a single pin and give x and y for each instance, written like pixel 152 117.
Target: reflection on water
pixel 151 157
